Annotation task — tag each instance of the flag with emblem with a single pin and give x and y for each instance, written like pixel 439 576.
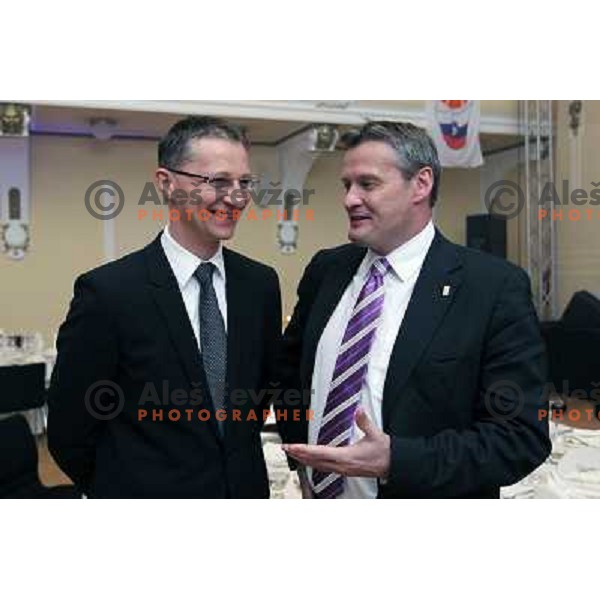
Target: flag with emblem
pixel 454 127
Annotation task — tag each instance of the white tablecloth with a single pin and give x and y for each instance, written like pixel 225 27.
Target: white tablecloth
pixel 571 471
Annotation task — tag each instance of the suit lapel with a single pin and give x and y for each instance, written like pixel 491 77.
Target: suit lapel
pixel 426 309
pixel 335 282
pixel 236 290
pixel 165 291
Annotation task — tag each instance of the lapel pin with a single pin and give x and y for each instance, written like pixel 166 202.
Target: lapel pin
pixel 446 291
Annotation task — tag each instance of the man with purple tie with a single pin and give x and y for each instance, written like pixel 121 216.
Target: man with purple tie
pixel 424 358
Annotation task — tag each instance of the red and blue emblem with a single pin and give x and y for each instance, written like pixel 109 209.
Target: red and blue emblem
pixel 453 120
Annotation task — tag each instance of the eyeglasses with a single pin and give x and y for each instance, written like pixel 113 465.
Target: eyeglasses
pixel 221 183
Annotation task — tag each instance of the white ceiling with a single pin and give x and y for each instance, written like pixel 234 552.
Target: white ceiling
pixel 53 119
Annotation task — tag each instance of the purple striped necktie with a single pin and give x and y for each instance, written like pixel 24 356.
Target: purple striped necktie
pixel 349 375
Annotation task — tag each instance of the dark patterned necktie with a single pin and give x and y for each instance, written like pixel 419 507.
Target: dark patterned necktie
pixel 213 338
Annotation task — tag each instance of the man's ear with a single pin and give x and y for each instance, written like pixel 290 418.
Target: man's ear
pixel 423 184
pixel 163 183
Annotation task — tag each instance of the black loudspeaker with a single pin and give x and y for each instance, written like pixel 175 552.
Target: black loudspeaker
pixel 487 233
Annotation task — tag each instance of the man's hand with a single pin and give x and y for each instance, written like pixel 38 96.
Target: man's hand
pixel 370 457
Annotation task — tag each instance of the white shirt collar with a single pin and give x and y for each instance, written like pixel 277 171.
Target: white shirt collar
pixel 407 259
pixel 184 263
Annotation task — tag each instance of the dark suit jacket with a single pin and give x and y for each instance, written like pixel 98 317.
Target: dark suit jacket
pixel 128 326
pixel 466 376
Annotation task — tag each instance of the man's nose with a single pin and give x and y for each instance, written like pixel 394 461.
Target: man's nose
pixel 352 198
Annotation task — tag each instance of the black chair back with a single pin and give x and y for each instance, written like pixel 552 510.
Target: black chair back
pixel 18 457
pixel 582 312
pixel 19 464
pixel 22 387
pixel 572 345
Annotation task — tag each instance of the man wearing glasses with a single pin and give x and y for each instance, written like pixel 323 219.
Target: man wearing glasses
pixel 165 354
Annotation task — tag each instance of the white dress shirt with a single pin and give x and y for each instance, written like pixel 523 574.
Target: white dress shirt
pixel 184 264
pixel 406 262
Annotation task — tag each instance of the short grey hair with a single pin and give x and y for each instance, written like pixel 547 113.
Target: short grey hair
pixel 413 146
pixel 174 147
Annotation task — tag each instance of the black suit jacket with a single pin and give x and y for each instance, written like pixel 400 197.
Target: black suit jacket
pixel 128 329
pixel 465 379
